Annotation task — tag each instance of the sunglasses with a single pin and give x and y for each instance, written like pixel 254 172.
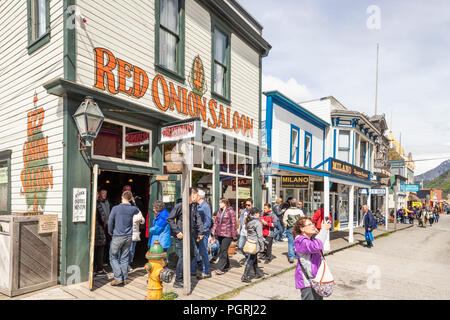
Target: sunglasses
pixel 248 205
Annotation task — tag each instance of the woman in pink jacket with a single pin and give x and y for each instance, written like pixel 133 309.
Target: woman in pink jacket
pixel 224 230
pixel 308 246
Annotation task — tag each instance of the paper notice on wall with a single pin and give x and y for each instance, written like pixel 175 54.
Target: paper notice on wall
pixel 79 204
pixel 48 223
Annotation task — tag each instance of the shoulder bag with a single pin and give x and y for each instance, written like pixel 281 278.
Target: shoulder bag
pixel 250 246
pixel 323 283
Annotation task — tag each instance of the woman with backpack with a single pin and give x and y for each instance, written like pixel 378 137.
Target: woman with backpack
pixel 308 247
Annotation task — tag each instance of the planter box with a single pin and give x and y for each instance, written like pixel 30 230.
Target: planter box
pixel 28 260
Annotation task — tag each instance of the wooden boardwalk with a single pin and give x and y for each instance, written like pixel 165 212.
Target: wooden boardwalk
pixel 201 289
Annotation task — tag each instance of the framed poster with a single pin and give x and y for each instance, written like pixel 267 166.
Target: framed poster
pixel 79 204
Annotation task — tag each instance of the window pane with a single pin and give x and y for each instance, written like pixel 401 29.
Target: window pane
pixel 220 47
pixel 204 181
pixel 169 15
pixel 307 149
pixel 208 158
pixel 232 163
pixel 228 189
pixel 244 189
pixel 42 23
pixel 343 155
pixel 137 145
pixel 223 162
pixel 109 141
pixel 344 139
pixel 248 167
pixel 241 165
pixel 294 146
pixel 197 156
pixel 3 188
pixel 168 50
pixel 219 79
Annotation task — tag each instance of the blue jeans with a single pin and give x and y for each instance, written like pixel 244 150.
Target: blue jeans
pixel 202 246
pixel 179 248
pixel 120 245
pixel 291 252
pixel 279 232
pixel 214 249
pixel 241 244
pixel 131 254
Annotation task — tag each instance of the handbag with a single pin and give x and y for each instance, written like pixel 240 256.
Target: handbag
pixel 323 282
pixel 250 247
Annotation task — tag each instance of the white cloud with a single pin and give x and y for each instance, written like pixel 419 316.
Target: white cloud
pixel 291 88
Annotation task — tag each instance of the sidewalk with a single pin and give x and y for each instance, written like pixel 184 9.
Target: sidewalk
pixel 217 287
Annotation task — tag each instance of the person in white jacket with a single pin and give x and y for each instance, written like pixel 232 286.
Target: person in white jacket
pixel 136 237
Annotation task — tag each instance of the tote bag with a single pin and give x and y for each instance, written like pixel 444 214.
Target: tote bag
pixel 323 282
pixel 250 247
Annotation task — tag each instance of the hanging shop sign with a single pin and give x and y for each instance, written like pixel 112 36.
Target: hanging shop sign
pixel 137 139
pixel 349 170
pixel 363 191
pixel 409 187
pixel 168 95
pixel 295 182
pixel 378 191
pixel 190 129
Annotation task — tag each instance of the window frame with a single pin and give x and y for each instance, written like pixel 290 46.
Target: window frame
pixel 298 145
pixel 179 75
pixel 123 159
pixel 344 149
pixel 363 164
pixel 35 43
pixel 5 156
pixel 308 134
pixel 217 24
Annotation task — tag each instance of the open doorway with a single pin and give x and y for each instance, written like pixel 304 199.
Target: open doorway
pixel 114 182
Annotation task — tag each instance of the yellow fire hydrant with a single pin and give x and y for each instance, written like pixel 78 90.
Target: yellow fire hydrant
pixel 156 271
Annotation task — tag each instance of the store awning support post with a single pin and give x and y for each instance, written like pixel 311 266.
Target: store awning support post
pixel 386 206
pixel 326 208
pixel 350 213
pixel 186 223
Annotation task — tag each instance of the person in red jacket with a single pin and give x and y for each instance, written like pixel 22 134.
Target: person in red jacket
pixel 267 220
pixel 319 217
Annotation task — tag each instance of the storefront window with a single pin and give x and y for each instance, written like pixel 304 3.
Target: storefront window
pixel 137 145
pixel 122 143
pixel 344 146
pixel 344 206
pixel 248 167
pixel 204 181
pixel 109 141
pixel 223 162
pixel 232 163
pixel 228 189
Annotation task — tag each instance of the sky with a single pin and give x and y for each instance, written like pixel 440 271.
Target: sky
pixel 329 47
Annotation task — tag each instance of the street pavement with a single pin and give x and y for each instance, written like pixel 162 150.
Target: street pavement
pixel 409 264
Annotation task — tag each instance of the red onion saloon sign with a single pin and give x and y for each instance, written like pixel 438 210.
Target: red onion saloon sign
pixel 37 176
pixel 181 131
pixel 134 82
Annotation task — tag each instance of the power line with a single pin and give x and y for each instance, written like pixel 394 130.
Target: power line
pixel 447 158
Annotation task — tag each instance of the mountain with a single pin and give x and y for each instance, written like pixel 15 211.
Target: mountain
pixel 433 173
pixel 442 182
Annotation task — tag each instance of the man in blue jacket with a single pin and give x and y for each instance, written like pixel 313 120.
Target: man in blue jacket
pixel 120 227
pixel 369 225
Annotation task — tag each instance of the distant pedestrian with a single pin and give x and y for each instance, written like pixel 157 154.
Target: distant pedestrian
pixel 436 215
pixel 204 210
pixel 319 217
pixel 268 222
pixel 308 249
pixel 224 231
pixel 279 230
pixel 431 217
pixel 289 219
pixel 101 224
pixel 254 234
pixel 242 228
pixel 175 221
pixel 161 229
pixel 120 227
pixel 369 225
